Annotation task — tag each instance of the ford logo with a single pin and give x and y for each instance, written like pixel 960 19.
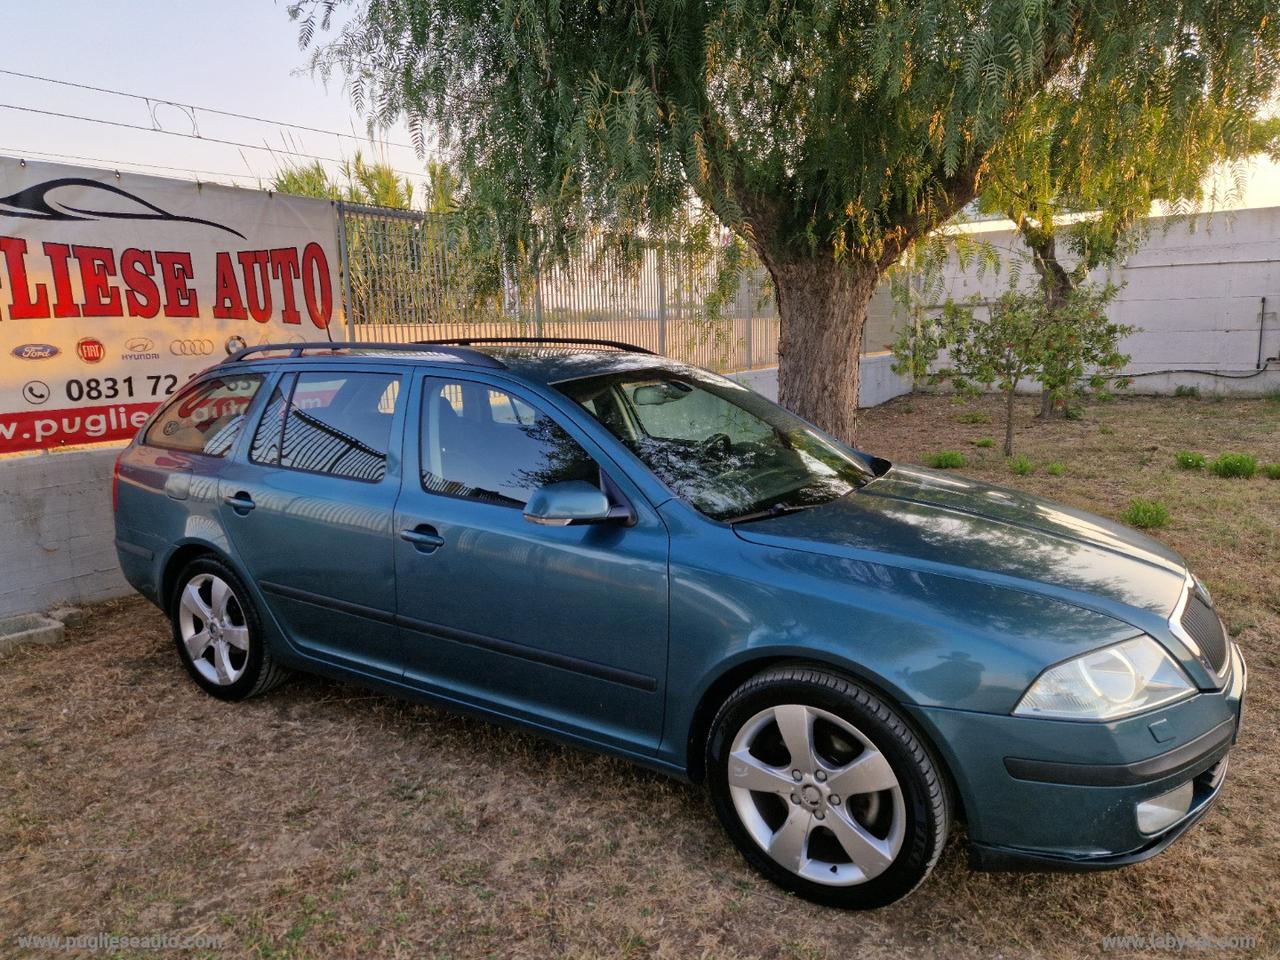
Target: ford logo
pixel 35 351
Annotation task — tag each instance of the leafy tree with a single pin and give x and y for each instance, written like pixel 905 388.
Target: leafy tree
pixel 306 180
pixel 828 134
pixel 362 181
pixel 1020 339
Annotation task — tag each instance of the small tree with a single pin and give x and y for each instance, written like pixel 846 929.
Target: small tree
pixel 1021 338
pixel 1080 347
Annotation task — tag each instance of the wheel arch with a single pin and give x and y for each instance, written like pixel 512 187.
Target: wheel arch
pixel 179 558
pixel 734 675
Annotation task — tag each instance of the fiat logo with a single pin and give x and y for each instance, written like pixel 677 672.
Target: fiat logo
pixel 91 350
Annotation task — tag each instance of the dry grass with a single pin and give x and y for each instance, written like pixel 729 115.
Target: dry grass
pixel 322 820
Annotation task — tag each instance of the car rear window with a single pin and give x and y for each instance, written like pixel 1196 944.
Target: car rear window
pixel 206 419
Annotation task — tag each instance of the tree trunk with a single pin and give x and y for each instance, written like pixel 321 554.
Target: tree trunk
pixel 1008 420
pixel 823 309
pixel 1057 288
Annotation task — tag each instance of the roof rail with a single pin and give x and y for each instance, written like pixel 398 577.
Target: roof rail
pixel 458 352
pixel 570 341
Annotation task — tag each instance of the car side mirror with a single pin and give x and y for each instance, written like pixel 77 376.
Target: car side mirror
pixel 571 502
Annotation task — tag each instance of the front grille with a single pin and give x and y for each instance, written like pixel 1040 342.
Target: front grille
pixel 1206 629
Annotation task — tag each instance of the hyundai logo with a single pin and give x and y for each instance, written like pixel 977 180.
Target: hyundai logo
pixel 140 345
pixel 191 348
pixel 35 351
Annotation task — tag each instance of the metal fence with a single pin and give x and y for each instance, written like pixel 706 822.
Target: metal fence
pixel 411 276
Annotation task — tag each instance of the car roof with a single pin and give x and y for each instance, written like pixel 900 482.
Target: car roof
pixel 557 364
pixel 541 364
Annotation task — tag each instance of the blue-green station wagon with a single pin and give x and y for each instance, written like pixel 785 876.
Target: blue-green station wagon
pixel 606 546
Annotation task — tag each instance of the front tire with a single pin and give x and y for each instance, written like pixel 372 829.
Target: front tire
pixel 825 789
pixel 218 632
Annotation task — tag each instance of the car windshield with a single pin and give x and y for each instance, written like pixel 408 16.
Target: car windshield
pixel 720 447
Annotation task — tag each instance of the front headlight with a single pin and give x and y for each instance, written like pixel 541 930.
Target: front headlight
pixel 1116 681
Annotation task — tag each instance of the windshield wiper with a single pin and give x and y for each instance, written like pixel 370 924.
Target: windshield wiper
pixel 768 513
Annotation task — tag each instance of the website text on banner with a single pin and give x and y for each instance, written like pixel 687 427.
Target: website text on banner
pixel 116 289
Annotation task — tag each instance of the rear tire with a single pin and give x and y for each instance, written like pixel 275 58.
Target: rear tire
pixel 825 789
pixel 218 633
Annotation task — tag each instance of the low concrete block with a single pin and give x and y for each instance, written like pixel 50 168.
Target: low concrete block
pixel 70 616
pixel 29 628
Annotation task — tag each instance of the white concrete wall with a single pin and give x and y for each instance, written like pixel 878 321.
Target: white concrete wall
pixel 876 380
pixel 1194 290
pixel 56 530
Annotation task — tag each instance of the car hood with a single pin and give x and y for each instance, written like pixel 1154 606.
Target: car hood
pixel 951 525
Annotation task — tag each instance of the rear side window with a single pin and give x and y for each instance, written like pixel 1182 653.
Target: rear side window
pixel 484 444
pixel 333 423
pixel 206 419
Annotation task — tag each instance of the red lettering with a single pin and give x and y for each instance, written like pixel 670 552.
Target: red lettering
pixel 97 267
pixel 284 267
pixel 227 304
pixel 25 306
pixel 64 301
pixel 317 285
pixel 141 295
pixel 179 299
pixel 257 289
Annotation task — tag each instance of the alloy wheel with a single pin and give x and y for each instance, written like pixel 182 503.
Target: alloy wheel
pixel 212 624
pixel 816 795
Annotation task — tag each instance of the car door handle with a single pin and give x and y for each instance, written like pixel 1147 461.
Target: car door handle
pixel 424 538
pixel 240 502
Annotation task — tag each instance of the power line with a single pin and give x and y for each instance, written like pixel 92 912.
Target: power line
pixel 191 136
pixel 190 106
pixel 22 151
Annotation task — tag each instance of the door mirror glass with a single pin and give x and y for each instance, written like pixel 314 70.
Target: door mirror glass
pixel 566 503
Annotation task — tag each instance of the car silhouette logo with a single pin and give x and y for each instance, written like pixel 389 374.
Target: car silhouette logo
pixel 35 351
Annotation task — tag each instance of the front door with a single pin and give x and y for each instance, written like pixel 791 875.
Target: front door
pixel 310 512
pixel 560 626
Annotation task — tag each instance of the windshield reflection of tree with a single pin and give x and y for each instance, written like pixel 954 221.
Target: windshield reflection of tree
pixel 731 456
pixel 730 480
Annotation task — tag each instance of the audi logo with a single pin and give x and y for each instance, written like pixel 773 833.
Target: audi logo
pixel 191 348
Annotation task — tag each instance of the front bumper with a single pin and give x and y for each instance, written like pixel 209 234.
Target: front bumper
pixel 1062 795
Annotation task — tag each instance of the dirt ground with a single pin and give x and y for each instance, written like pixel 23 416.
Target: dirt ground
pixel 324 820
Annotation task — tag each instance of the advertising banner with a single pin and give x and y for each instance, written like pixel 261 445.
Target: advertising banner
pixel 116 288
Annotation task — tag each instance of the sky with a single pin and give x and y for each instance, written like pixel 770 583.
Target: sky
pixel 235 55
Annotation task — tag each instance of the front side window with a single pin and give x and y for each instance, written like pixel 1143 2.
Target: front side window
pixel 326 422
pixel 206 419
pixel 718 446
pixel 482 443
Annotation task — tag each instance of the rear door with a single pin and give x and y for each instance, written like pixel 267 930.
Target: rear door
pixel 563 626
pixel 310 510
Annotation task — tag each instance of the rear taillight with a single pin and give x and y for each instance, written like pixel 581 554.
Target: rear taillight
pixel 115 485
